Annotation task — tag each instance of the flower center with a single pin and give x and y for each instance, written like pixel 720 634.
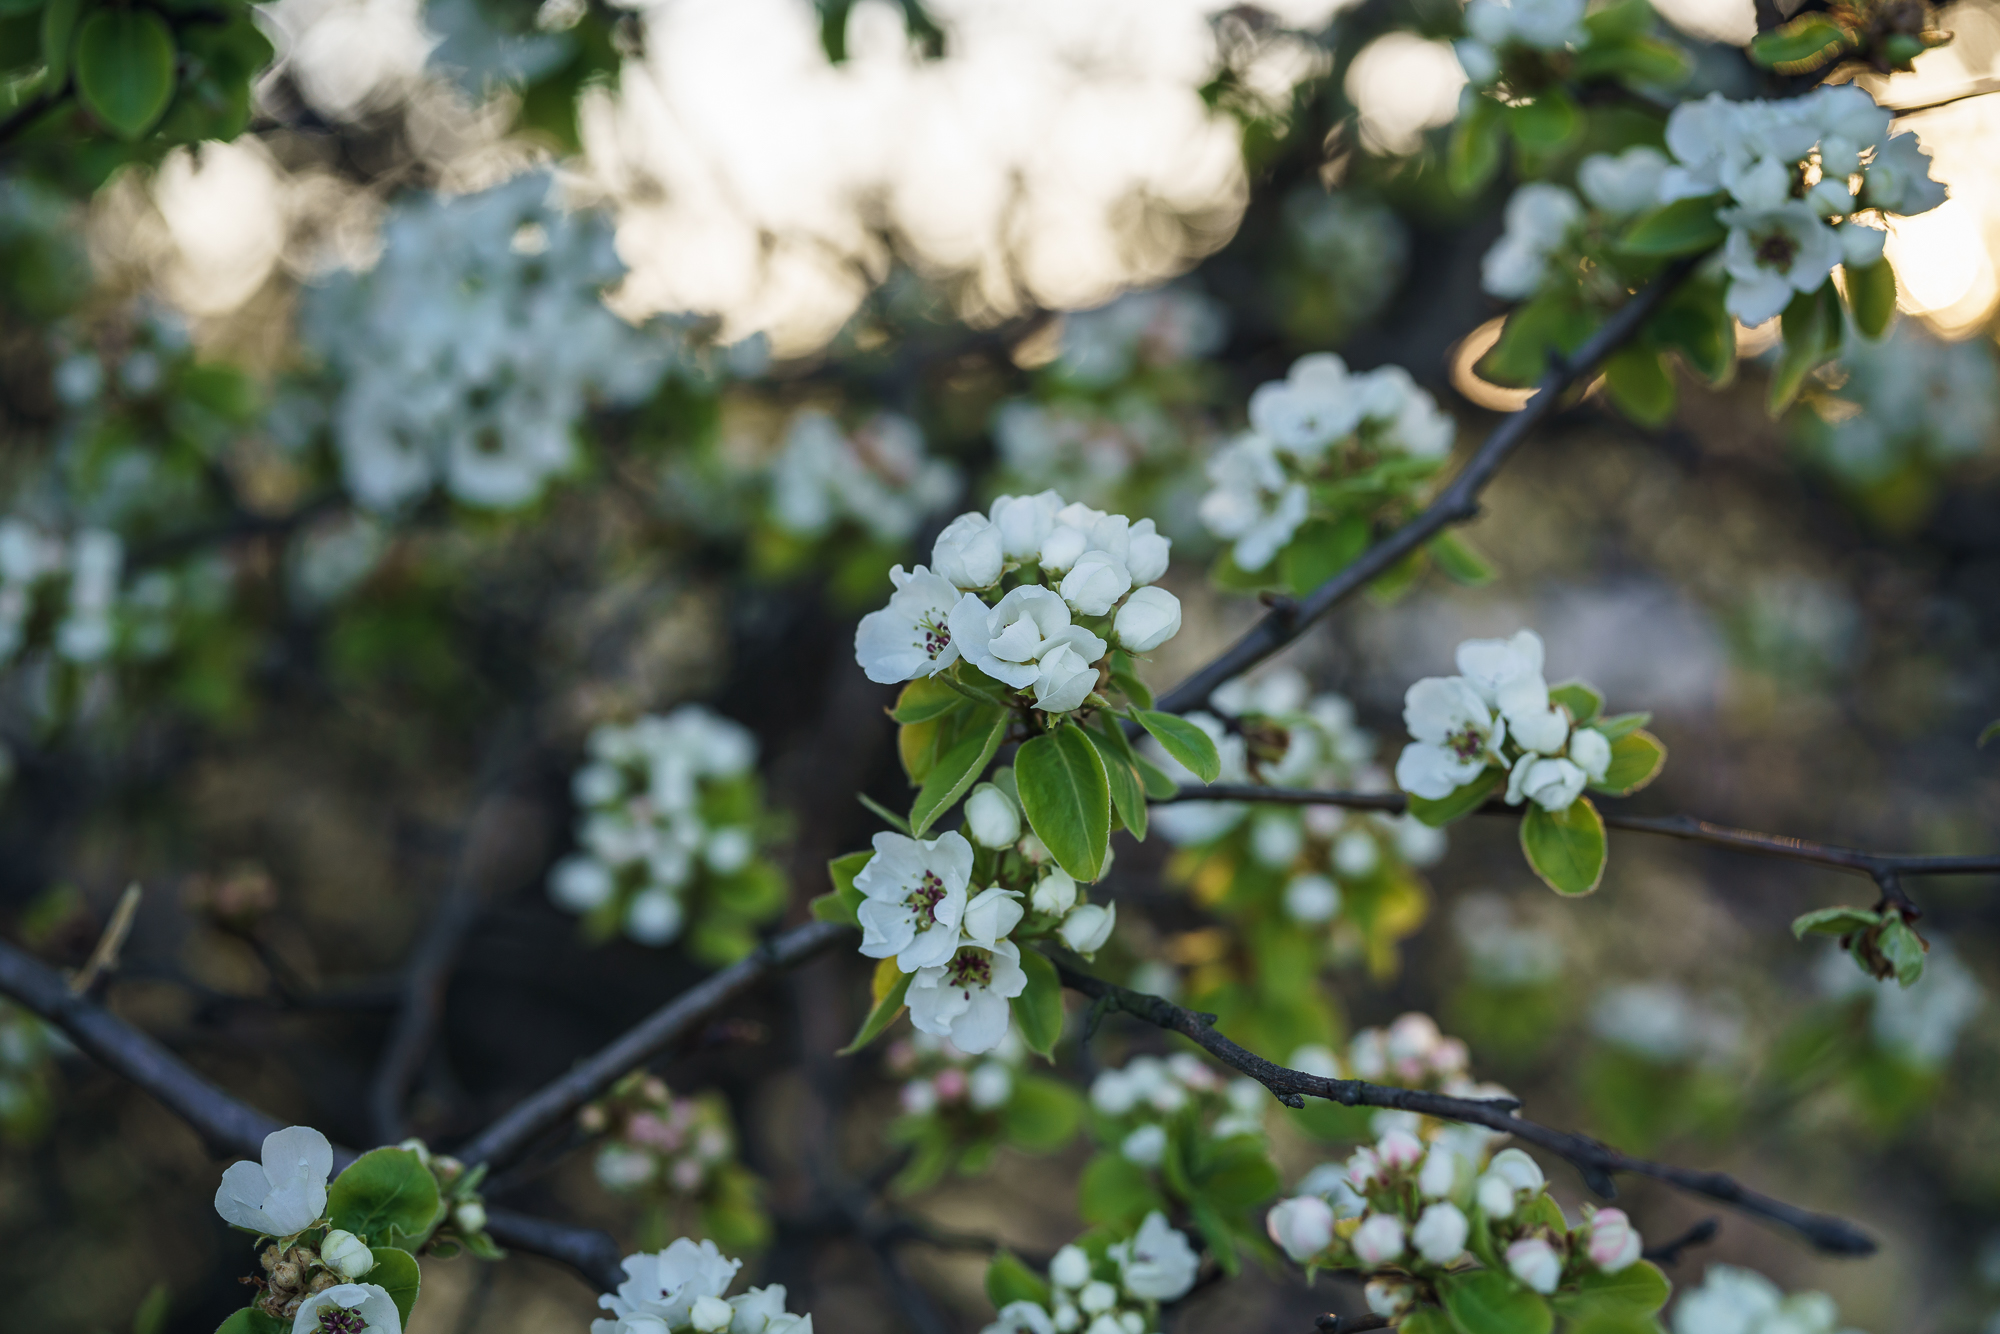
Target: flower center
pixel 340 1320
pixel 924 899
pixel 1777 250
pixel 1466 744
pixel 937 636
pixel 971 968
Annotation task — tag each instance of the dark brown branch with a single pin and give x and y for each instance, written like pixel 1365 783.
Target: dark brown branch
pixel 1456 504
pixel 1669 1252
pixel 510 1136
pixel 1597 1163
pixel 229 1128
pixel 1883 867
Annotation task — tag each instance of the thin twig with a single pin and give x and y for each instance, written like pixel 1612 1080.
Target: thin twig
pixel 104 959
pixel 229 1128
pixel 1669 1252
pixel 508 1137
pixel 1456 504
pixel 1596 1162
pixel 1880 866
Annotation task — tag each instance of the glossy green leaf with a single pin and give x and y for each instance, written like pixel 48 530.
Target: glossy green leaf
pixel 1639 385
pixel 383 1193
pixel 1807 43
pixel 1132 687
pixel 1620 20
pixel 1553 321
pixel 1565 848
pixel 1641 61
pixel 1582 699
pixel 1636 760
pixel 1491 1302
pixel 1128 795
pixel 1460 561
pixel 1043 1115
pixel 843 902
pixel 1321 549
pixel 59 36
pixel 397 1274
pixel 1684 227
pixel 1067 799
pixel 1039 1007
pixel 1472 155
pixel 125 68
pixel 1114 1189
pixel 1639 1288
pixel 1158 786
pixel 1008 1280
pixel 1871 295
pixel 1622 724
pixel 895 821
pixel 1841 921
pixel 960 767
pixel 1695 322
pixel 1425 1320
pixel 1461 803
pixel 1812 327
pixel 1546 124
pixel 1904 949
pixel 926 698
pixel 1184 741
pixel 891 985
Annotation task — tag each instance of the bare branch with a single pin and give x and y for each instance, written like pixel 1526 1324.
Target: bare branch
pixel 510 1136
pixel 1597 1163
pixel 1669 1252
pixel 1456 504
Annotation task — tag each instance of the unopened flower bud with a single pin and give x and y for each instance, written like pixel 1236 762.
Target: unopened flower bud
pixel 1614 1242
pixel 419 1148
pixel 1439 1173
pixel 1378 1240
pixel 1146 1145
pixel 710 1315
pixel 991 817
pixel 1387 1297
pixel 1149 618
pixel 1097 1296
pixel 447 1168
pixel 1399 1149
pixel 1440 1233
pixel 1302 1227
pixel 1087 927
pixel 1070 1268
pixel 1494 1196
pixel 968 551
pixel 1363 1166
pixel 1054 894
pixel 470 1216
pixel 346 1254
pixel 1535 1263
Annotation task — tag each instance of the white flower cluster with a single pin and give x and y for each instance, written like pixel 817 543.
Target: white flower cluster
pixel 667 801
pixel 470 350
pixel 1919 1025
pixel 1090 452
pixel 877 477
pixel 31 560
pixel 1494 25
pixel 1732 1300
pixel 1147 1092
pixel 1539 218
pixel 1163 327
pixel 1662 1023
pixel 658 1141
pixel 1299 742
pixel 1498 703
pixel 680 1289
pixel 938 1076
pixel 1414 1205
pixel 1319 422
pixel 1910 399
pixel 1117 1292
pixel 1410 1052
pixel 1790 168
pixel 1039 638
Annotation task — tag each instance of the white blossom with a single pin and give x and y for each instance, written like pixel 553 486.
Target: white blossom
pixel 1539 217
pixel 710 1315
pixel 1379 1240
pixel 992 818
pixel 968 552
pixel 1021 1318
pixel 992 915
pixel 1455 731
pixel 1772 254
pixel 287 1193
pixel 1087 927
pixel 1007 640
pixel 665 1286
pixel 1023 523
pixel 965 998
pixel 1551 784
pixel 1070 1267
pixel 1157 1264
pixel 1546 25
pixel 1096 582
pixel 1311 899
pixel 911 637
pixel 373 1304
pixel 1309 409
pixel 762 1311
pixel 1055 893
pixel 1388 1297
pixel 1146 1145
pixel 1440 1233
pixel 878 478
pixel 1591 752
pixel 989 1086
pixel 1148 619
pixel 1252 503
pixel 1624 183
pixel 914 898
pixel 1064 680
pixel 1614 1243
pixel 346 1254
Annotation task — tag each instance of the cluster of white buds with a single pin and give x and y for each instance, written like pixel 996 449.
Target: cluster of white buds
pixel 1066 583
pixel 1743 1301
pixel 1143 1100
pixel 940 1079
pixel 1285 738
pixel 1139 330
pixel 1406 1211
pixel 1319 424
pixel 671 806
pixel 1410 1052
pixel 876 477
pixel 1111 1287
pixel 659 1143
pixel 1497 711
pixel 681 1289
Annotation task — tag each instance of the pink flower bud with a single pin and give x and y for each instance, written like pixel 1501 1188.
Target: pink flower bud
pixel 1535 1263
pixel 1378 1240
pixel 1614 1242
pixel 1302 1227
pixel 950 1084
pixel 1400 1149
pixel 1363 1166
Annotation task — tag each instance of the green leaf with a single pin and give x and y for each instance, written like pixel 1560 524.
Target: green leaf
pixel 1008 1280
pixel 1695 322
pixel 1473 154
pixel 1639 384
pixel 1554 320
pixel 1158 786
pixel 1321 549
pixel 59 36
pixel 896 822
pixel 1622 724
pixel 1491 1302
pixel 1134 689
pixel 1644 61
pixel 1546 124
pixel 926 698
pixel 1043 1115
pixel 382 1193
pixel 1115 1190
pixel 960 767
pixel 1425 1320
pixel 1805 44
pixel 1841 921
pixel 1461 803
pixel 1242 1175
pixel 1067 799
pixel 250 1320
pixel 1636 760
pixel 1565 848
pixel 1871 294
pixel 1581 699
pixel 1684 227
pixel 1460 561
pixel 150 1317
pixel 1620 20
pixel 125 68
pixel 397 1274
pixel 1991 730
pixel 1904 949
pixel 1128 796
pixel 843 902
pixel 1812 333
pixel 891 985
pixel 1184 741
pixel 1039 1007
pixel 1640 1288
